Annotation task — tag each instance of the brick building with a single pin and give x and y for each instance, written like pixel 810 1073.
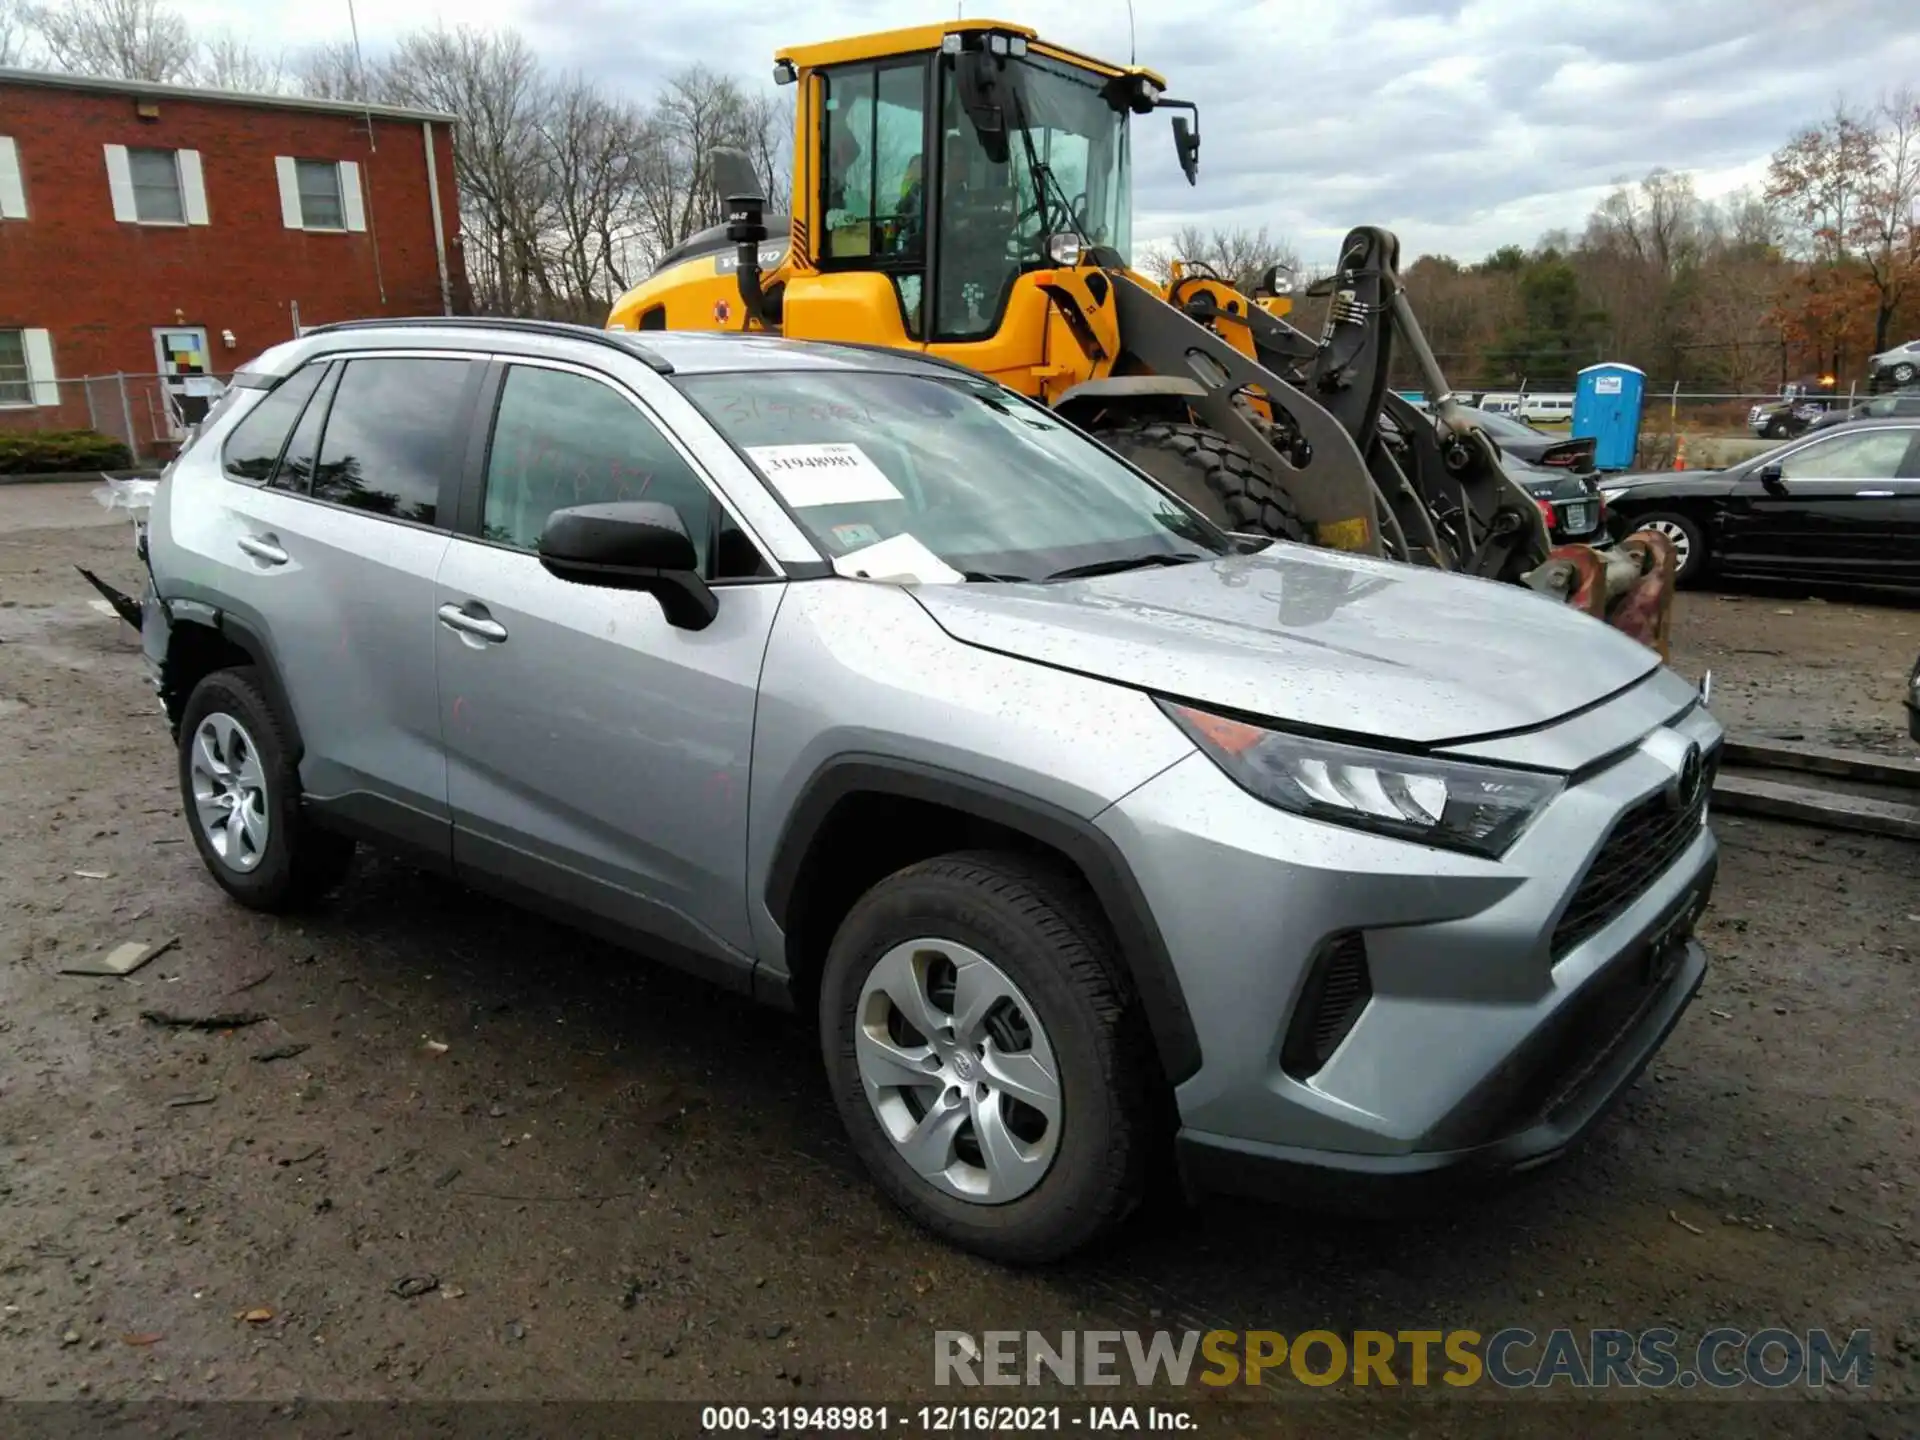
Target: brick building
pixel 157 231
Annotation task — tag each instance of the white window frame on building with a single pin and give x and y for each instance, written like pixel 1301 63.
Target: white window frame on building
pixel 292 170
pixel 13 190
pixel 31 381
pixel 127 184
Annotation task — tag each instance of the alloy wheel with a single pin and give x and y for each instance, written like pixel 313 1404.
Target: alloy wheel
pixel 959 1071
pixel 229 791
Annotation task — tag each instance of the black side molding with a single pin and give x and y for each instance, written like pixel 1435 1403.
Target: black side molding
pixel 1081 841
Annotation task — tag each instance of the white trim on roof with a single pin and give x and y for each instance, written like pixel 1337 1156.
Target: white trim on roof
pixel 48 80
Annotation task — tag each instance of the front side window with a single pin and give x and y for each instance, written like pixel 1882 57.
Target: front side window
pixel 1875 455
pixel 320 206
pixel 254 447
pixel 156 186
pixel 563 439
pixel 14 386
pixel 390 436
pixel 990 483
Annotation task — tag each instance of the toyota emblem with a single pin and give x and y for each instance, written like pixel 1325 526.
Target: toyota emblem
pixel 1686 791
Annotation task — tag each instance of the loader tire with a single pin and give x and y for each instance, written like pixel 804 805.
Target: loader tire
pixel 1212 474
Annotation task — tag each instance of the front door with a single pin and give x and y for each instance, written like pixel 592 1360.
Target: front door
pixel 598 756
pixel 1833 511
pixel 187 386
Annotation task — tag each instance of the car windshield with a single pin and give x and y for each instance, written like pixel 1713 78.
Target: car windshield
pixel 993 485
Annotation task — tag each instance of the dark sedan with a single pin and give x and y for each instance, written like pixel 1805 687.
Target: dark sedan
pixel 1880 407
pixel 1574 511
pixel 1535 447
pixel 1840 504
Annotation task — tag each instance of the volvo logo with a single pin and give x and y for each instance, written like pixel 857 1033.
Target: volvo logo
pixel 1691 780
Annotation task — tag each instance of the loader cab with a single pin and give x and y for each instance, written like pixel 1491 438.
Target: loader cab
pixel 954 170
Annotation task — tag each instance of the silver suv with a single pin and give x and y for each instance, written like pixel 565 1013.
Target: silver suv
pixel 1091 834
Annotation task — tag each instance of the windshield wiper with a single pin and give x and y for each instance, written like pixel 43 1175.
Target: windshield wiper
pixel 985 576
pixel 1126 562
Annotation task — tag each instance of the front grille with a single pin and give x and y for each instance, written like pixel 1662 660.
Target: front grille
pixel 1645 841
pixel 1338 988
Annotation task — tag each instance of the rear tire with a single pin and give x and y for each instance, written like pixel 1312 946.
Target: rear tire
pixel 1212 474
pixel 997 1176
pixel 1904 373
pixel 237 762
pixel 1688 538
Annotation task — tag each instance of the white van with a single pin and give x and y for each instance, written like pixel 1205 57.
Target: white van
pixel 1499 402
pixel 1546 407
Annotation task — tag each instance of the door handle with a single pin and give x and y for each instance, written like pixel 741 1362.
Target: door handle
pixel 454 618
pixel 263 550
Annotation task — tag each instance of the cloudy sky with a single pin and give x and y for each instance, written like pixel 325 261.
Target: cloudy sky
pixel 1461 126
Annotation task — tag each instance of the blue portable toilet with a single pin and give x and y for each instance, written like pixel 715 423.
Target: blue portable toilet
pixel 1606 405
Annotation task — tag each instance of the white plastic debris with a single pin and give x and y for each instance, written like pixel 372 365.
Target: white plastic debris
pixel 132 495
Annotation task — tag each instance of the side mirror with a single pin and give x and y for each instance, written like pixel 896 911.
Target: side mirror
pixel 631 545
pixel 1186 144
pixel 733 175
pixel 977 77
pixel 1773 478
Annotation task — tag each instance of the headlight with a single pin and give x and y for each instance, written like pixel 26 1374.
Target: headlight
pixel 1064 249
pixel 1478 808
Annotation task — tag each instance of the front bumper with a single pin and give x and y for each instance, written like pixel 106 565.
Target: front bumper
pixel 1491 1036
pixel 1388 1184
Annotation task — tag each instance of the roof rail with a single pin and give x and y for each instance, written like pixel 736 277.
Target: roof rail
pixel 612 339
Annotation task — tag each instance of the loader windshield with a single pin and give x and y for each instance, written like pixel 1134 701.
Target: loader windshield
pixel 1066 171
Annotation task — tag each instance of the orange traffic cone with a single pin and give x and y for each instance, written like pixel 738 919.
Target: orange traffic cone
pixel 1679 452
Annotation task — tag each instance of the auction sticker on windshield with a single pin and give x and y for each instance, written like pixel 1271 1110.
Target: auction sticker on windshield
pixel 827 474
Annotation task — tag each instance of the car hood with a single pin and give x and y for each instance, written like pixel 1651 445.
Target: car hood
pixel 1670 482
pixel 1314 638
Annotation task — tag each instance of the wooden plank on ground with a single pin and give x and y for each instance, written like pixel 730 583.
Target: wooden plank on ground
pixel 1823 760
pixel 1750 795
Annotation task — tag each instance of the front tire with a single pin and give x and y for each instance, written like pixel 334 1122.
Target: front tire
pixel 240 786
pixel 1689 543
pixel 1212 474
pixel 986 1058
pixel 1904 373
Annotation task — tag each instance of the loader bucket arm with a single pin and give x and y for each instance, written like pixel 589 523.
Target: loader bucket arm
pixel 1331 486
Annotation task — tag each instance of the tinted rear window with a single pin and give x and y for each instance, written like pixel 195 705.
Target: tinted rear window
pixel 256 441
pixel 390 436
pixel 296 466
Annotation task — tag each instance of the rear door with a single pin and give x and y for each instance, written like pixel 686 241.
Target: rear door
pixel 1835 512
pixel 336 537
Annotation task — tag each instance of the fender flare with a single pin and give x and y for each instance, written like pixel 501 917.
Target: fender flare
pixel 1137 934
pixel 246 639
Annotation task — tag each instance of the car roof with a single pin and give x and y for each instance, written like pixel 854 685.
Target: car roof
pixel 670 352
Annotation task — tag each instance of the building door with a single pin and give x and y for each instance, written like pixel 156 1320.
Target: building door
pixel 180 353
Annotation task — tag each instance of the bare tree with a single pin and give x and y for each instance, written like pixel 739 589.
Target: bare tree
pixel 589 146
pixel 15 32
pixel 333 71
pixel 1238 256
pixel 492 81
pixel 117 39
pixel 226 62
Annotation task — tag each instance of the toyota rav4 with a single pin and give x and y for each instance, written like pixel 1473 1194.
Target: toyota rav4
pixel 1086 832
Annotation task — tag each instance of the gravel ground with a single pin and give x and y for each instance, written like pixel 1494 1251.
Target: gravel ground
pixel 614 1182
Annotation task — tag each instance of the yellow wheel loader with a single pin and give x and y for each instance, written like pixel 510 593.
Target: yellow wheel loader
pixel 965 190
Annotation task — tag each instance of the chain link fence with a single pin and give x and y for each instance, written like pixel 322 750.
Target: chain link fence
pixel 149 414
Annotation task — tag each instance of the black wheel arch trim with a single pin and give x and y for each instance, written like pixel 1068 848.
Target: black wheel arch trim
pixel 246 638
pixel 1142 947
